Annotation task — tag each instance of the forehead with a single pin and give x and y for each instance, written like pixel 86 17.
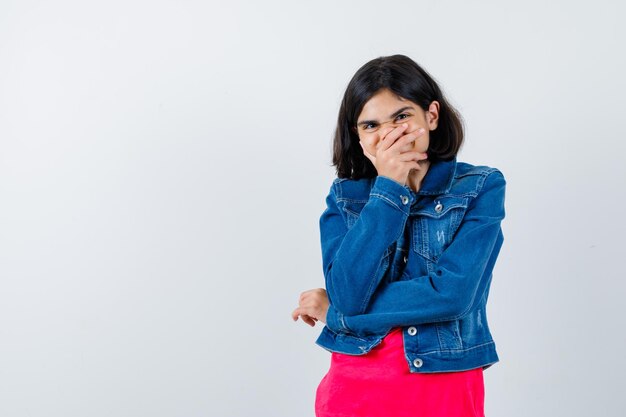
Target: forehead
pixel 384 103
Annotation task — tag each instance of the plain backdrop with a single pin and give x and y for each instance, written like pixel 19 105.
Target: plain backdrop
pixel 163 167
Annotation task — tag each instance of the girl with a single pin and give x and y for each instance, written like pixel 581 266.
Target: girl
pixel 409 240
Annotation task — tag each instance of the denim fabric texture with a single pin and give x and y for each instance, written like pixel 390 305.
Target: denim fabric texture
pixel 420 261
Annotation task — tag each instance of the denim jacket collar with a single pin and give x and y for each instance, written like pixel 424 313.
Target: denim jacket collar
pixel 438 179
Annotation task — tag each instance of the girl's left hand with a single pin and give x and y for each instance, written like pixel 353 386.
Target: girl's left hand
pixel 313 306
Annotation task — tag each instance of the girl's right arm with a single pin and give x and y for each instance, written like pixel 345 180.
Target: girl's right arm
pixel 353 259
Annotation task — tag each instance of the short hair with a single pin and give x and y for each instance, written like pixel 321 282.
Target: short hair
pixel 406 79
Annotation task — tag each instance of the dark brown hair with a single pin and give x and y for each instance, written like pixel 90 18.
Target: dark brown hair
pixel 407 79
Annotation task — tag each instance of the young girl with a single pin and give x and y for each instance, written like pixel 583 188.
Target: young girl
pixel 409 240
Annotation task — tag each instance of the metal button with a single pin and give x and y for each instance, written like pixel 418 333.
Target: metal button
pixel 412 331
pixel 405 199
pixel 405 259
pixel 418 363
pixel 438 207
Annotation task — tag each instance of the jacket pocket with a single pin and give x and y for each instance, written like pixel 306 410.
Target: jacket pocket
pixel 436 222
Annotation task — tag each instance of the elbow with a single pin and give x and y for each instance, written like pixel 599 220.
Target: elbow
pixel 454 301
pixel 451 308
pixel 458 308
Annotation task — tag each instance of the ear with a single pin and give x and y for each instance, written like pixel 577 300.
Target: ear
pixel 432 115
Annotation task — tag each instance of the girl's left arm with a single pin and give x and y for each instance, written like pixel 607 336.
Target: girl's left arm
pixel 458 280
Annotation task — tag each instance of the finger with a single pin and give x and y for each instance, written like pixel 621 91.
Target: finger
pixel 299 312
pixel 412 156
pixel 414 165
pixel 308 320
pixel 406 148
pixel 392 136
pixel 408 139
pixel 406 143
pixel 383 134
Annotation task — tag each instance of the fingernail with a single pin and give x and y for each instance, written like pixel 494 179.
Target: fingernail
pixel 421 130
pixel 405 125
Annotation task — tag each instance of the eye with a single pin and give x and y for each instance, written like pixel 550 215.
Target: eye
pixel 369 126
pixel 402 116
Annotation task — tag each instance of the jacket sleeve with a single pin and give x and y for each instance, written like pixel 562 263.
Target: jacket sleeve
pixel 353 258
pixel 450 290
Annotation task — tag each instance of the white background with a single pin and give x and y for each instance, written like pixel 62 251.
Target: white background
pixel 163 167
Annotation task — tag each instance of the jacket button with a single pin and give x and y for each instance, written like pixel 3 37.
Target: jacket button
pixel 405 199
pixel 438 207
pixel 412 331
pixel 405 259
pixel 417 363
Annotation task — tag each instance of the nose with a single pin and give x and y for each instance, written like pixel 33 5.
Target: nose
pixel 392 124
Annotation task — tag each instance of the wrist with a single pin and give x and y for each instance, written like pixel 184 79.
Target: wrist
pixel 392 192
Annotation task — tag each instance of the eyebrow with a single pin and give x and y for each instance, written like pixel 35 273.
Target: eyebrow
pixel 397 112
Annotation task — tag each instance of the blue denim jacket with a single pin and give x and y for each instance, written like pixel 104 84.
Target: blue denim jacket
pixel 420 261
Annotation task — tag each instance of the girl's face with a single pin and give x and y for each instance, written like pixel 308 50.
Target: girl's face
pixel 385 111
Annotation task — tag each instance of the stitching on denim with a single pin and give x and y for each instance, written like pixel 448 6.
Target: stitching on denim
pixel 383 197
pixel 481 183
pixel 373 284
pixel 343 323
pixel 427 213
pixel 354 213
pixel 457 335
pixel 384 261
pixel 430 352
pixel 455 221
pixel 477 170
pixel 428 193
pixel 337 191
pixel 359 338
pixel 425 240
pixel 352 200
pixel 457 195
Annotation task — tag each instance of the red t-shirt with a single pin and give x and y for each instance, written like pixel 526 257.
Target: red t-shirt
pixel 379 384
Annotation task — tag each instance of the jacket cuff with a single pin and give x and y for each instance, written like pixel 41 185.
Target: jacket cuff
pixel 392 192
pixel 334 320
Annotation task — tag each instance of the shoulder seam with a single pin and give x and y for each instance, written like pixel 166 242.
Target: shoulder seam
pixel 477 170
